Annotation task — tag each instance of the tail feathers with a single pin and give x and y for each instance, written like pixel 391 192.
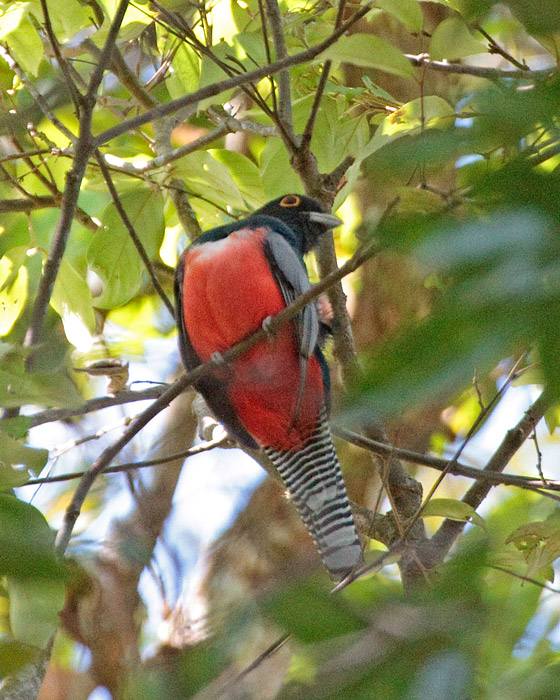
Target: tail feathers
pixel 314 481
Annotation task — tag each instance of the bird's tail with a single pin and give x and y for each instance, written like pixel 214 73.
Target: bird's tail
pixel 314 481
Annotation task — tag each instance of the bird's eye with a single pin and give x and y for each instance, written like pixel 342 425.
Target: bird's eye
pixel 290 200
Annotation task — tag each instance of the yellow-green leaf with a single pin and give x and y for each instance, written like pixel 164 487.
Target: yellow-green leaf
pixel 407 11
pixel 19 34
pixel 71 299
pixel 370 51
pixel 452 39
pixel 13 293
pixel 112 254
pixel 452 509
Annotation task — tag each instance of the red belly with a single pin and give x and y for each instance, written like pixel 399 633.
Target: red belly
pixel 228 291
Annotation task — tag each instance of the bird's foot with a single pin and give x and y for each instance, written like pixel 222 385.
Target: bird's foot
pixel 217 359
pixel 268 327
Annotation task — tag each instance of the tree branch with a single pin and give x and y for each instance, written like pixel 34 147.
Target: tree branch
pixel 97 404
pixel 423 60
pixel 449 530
pixel 11 206
pixel 284 88
pixel 129 466
pixel 452 467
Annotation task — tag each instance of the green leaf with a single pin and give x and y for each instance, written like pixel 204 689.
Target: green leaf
pixel 71 299
pixel 112 254
pixel 505 285
pixel 245 174
pixel 211 179
pixel 370 51
pixel 13 656
pixel 452 509
pixel 407 11
pixel 311 614
pixel 19 34
pixel 13 292
pixel 277 174
pixel 185 76
pixel 19 387
pixel 67 19
pixel 26 542
pixel 452 39
pixel 34 608
pixel 253 47
pixel 13 453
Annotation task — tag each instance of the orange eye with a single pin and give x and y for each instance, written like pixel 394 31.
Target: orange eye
pixel 290 200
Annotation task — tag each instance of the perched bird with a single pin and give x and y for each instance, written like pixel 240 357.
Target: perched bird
pixel 274 396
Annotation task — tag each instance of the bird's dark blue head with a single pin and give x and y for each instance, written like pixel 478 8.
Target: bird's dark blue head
pixel 304 216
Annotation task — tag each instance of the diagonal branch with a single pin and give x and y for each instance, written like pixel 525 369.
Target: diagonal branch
pixel 451 529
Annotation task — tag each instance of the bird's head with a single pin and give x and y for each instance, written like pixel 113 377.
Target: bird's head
pixel 304 216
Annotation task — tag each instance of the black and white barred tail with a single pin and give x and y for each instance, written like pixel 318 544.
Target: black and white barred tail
pixel 314 481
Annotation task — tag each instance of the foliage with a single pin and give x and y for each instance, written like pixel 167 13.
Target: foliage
pixel 460 147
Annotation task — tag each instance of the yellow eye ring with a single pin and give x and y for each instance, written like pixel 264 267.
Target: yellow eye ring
pixel 290 200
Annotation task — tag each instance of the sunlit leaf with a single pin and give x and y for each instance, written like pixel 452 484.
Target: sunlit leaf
pixel 112 254
pixel 17 31
pixel 13 292
pixel 71 299
pixel 455 510
pixel 13 453
pixel 370 51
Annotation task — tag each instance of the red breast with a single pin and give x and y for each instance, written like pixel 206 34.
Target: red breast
pixel 228 291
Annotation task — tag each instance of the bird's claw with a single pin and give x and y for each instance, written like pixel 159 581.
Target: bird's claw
pixel 216 358
pixel 268 327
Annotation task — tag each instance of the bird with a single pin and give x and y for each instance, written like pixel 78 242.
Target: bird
pixel 275 396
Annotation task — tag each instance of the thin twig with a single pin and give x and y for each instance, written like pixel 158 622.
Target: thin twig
pixel 128 466
pixel 423 59
pixel 494 47
pixel 53 414
pixel 132 233
pixel 10 206
pixel 310 125
pixel 73 510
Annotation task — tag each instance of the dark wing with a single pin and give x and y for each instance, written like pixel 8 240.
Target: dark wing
pixel 291 276
pixel 212 389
